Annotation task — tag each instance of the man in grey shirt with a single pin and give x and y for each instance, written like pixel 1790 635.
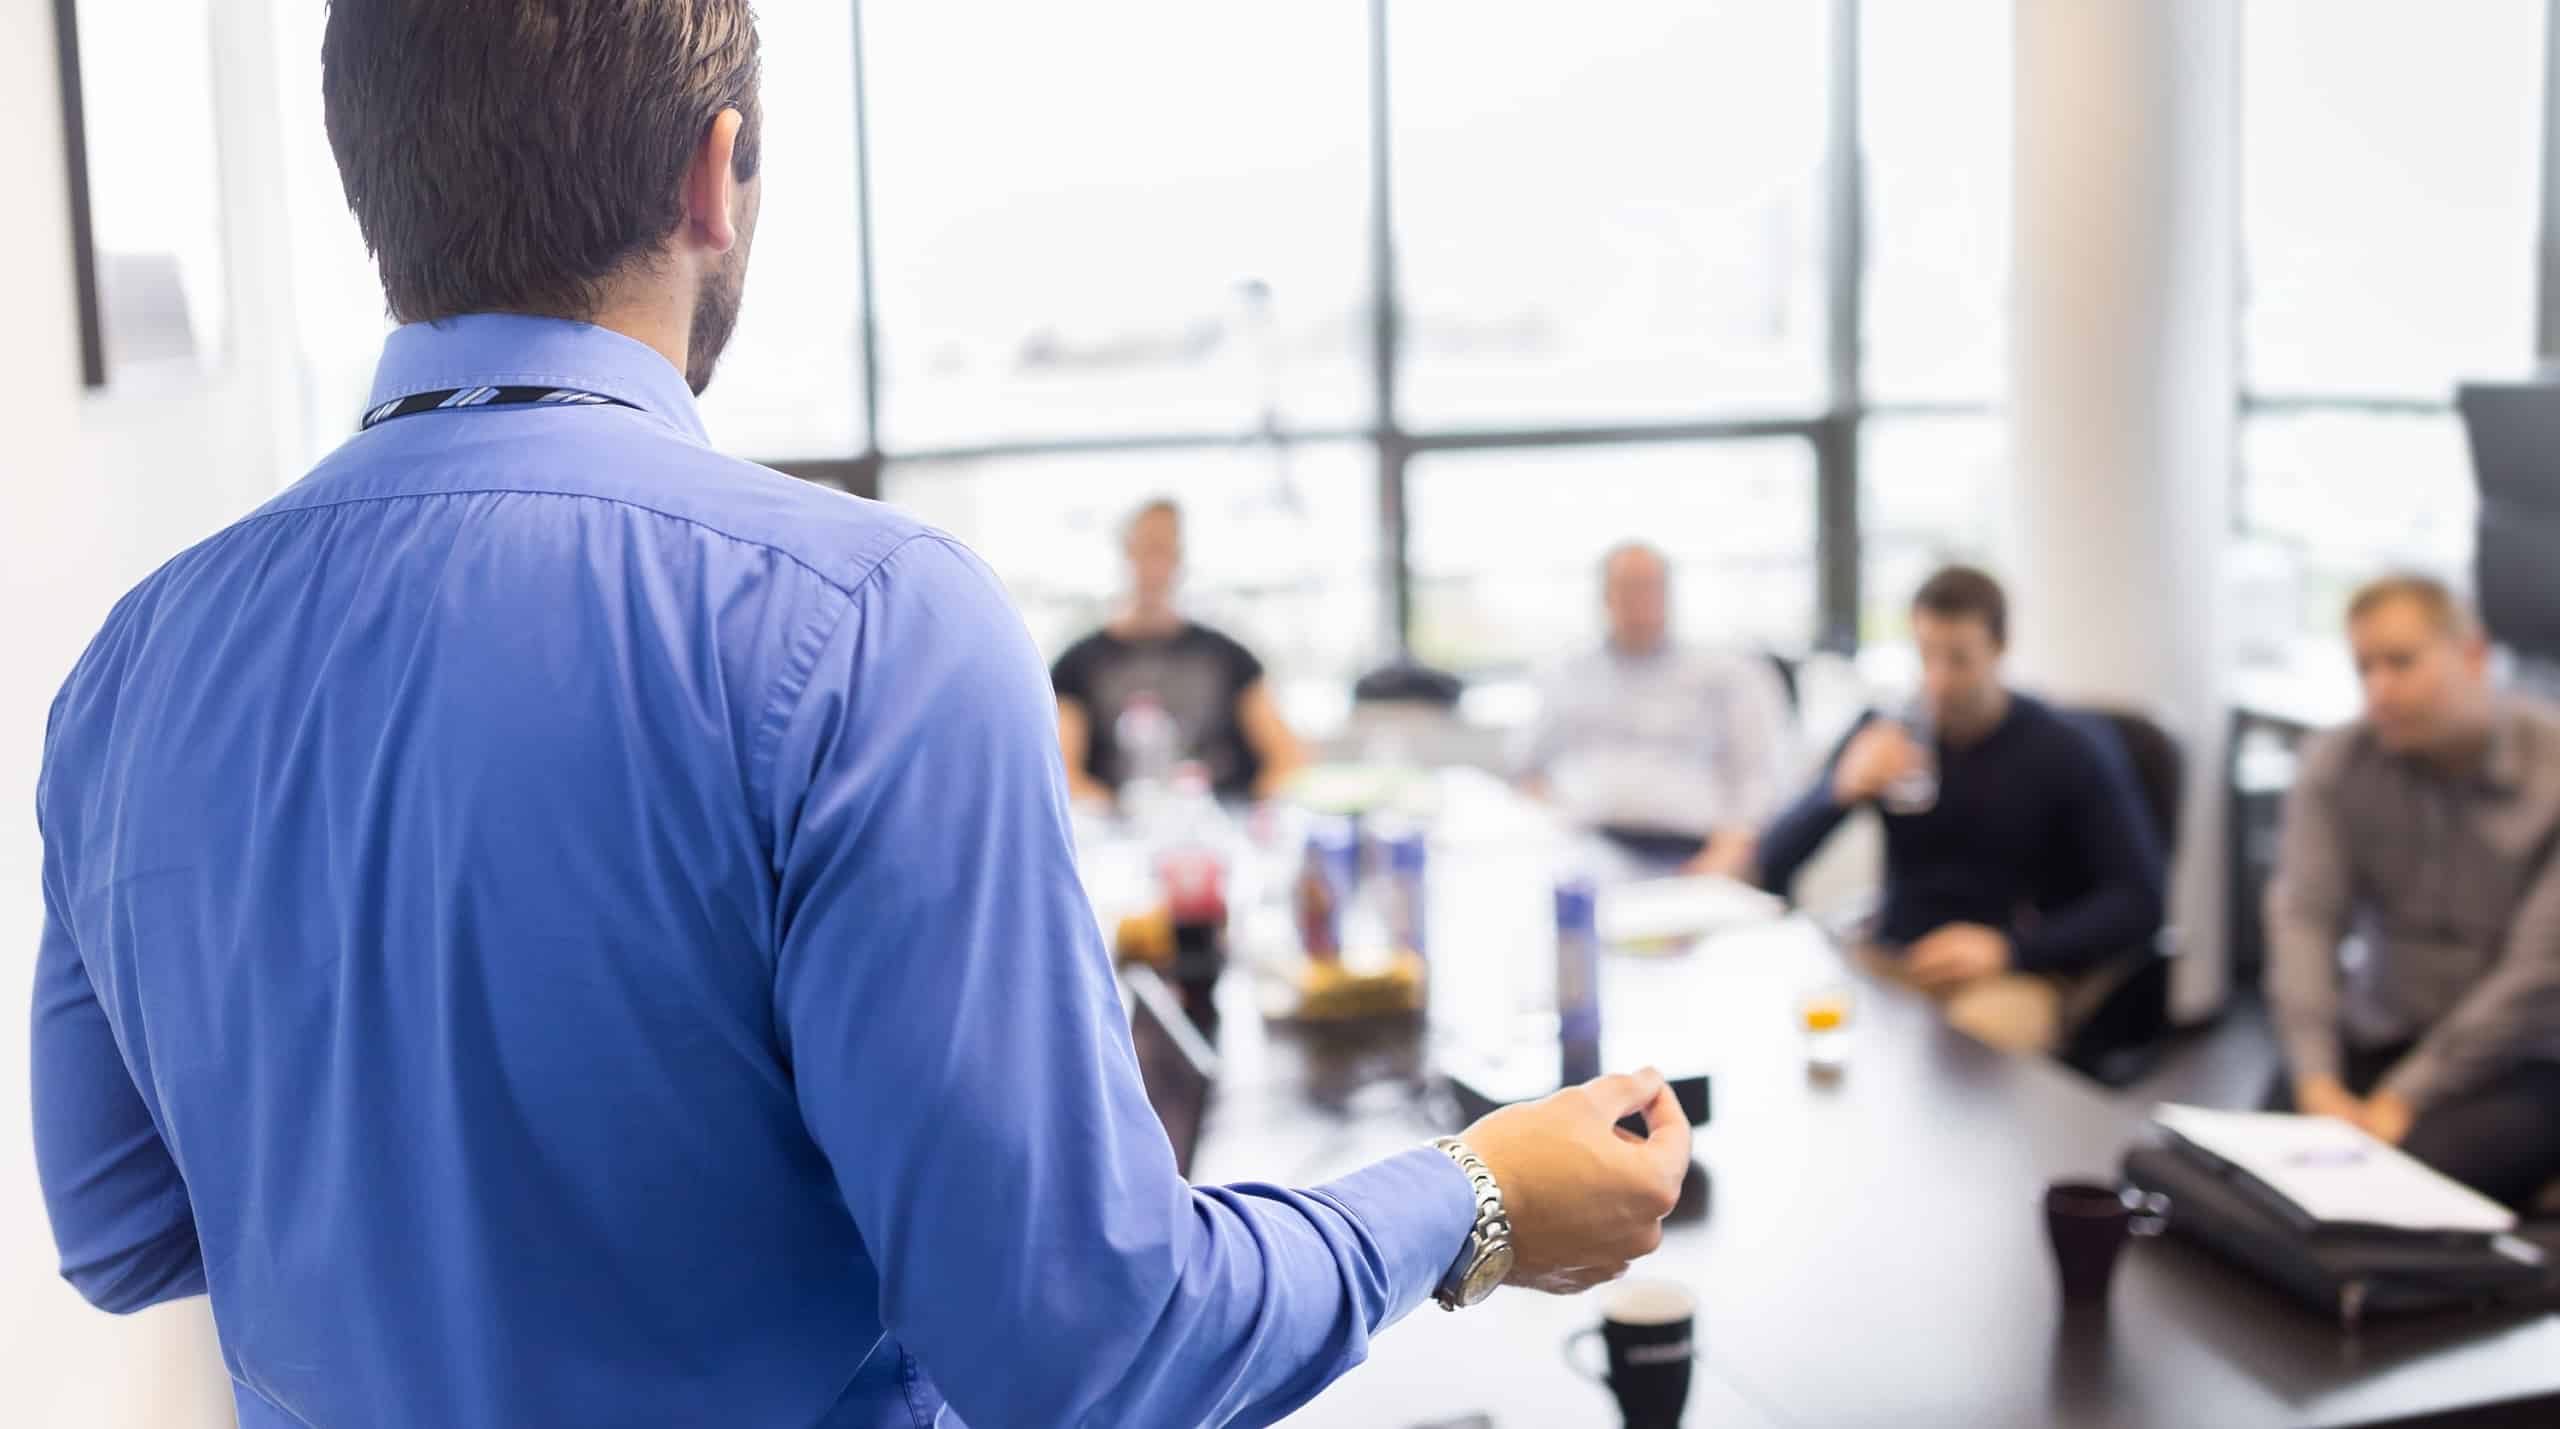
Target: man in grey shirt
pixel 1678 752
pixel 2414 921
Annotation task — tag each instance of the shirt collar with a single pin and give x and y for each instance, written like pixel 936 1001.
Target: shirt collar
pixel 2503 767
pixel 511 349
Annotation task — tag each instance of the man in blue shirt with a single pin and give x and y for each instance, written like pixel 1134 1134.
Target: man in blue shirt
pixel 2020 876
pixel 547 924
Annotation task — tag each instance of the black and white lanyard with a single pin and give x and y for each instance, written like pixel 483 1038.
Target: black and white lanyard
pixel 486 397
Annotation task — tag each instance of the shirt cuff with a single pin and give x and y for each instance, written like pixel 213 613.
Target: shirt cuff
pixel 2417 1079
pixel 2029 953
pixel 1418 1209
pixel 2311 1056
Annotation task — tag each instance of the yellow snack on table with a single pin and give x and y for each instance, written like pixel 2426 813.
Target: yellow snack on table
pixel 1327 991
pixel 1145 938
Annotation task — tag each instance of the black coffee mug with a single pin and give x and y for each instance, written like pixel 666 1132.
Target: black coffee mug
pixel 2088 1222
pixel 1649 1328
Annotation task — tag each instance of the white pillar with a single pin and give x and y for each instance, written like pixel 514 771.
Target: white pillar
pixel 2122 390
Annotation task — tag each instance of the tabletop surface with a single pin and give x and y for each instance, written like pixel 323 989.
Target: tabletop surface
pixel 1873 1250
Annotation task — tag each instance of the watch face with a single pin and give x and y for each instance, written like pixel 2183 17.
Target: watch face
pixel 1487 1274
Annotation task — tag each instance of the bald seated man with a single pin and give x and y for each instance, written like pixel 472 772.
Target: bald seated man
pixel 1675 751
pixel 2426 837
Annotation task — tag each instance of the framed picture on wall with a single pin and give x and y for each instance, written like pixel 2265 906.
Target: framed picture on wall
pixel 138 125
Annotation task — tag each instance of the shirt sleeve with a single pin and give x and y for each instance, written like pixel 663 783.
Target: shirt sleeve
pixel 1755 716
pixel 962 1059
pixel 121 1219
pixel 2515 999
pixel 1244 668
pixel 2127 898
pixel 1541 744
pixel 1072 677
pixel 2308 902
pixel 1798 833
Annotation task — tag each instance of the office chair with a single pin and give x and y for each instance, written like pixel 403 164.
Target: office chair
pixel 2121 1039
pixel 1405 682
pixel 1405 711
pixel 1787 672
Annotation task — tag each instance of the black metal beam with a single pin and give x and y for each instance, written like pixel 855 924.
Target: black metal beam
pixel 2283 404
pixel 1395 523
pixel 1703 430
pixel 1836 546
pixel 75 147
pixel 1123 442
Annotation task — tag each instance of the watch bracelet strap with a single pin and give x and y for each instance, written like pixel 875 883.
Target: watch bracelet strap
pixel 1492 1225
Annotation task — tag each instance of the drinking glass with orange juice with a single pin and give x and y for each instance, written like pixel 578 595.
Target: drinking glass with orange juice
pixel 1827 1012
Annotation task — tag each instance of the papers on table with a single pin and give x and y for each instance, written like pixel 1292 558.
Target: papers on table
pixel 1663 912
pixel 2335 1173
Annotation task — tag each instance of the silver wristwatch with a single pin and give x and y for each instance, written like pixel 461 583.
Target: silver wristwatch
pixel 1487 1259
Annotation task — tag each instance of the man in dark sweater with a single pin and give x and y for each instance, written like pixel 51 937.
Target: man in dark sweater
pixel 2018 862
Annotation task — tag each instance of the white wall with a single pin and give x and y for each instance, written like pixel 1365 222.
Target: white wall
pixel 96 490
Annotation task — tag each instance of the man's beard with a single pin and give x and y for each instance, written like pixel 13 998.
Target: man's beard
pixel 715 317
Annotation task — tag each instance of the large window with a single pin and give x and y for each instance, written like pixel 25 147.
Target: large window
pixel 1118 220
pixel 146 92
pixel 1418 305
pixel 1507 575
pixel 1727 272
pixel 1280 539
pixel 1607 212
pixel 1934 115
pixel 2391 202
pixel 790 384
pixel 1932 491
pixel 1934 121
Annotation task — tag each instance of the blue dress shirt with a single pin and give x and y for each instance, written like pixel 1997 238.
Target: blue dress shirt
pixel 548 924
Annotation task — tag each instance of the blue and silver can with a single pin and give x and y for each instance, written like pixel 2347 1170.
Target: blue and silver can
pixel 1578 979
pixel 1406 854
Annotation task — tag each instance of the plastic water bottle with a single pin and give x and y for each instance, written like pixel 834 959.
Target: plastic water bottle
pixel 1149 743
pixel 1578 979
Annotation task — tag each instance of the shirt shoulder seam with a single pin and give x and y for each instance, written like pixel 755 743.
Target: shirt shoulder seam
pixel 834 583
pixel 782 701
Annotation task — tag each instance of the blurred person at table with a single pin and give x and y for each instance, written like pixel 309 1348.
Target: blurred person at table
pixel 1677 752
pixel 2414 920
pixel 2024 887
pixel 1153 657
pixel 548 924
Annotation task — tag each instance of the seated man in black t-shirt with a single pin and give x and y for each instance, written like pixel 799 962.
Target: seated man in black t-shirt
pixel 1217 707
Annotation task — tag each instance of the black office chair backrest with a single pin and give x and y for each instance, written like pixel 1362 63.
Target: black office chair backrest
pixel 1405 682
pixel 2158 766
pixel 1787 672
pixel 2514 428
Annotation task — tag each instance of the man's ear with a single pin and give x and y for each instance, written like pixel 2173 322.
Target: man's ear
pixel 711 187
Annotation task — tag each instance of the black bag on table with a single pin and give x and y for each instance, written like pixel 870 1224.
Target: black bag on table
pixel 2346 1273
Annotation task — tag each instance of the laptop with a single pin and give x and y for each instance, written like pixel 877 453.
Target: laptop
pixel 1174 1060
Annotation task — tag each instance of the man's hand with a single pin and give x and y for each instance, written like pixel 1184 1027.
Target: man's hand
pixel 1585 1198
pixel 2326 1096
pixel 1730 853
pixel 2387 1116
pixel 1956 954
pixel 1878 755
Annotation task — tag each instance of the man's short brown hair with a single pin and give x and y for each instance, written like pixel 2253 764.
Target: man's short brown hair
pixel 513 155
pixel 1961 592
pixel 2447 611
